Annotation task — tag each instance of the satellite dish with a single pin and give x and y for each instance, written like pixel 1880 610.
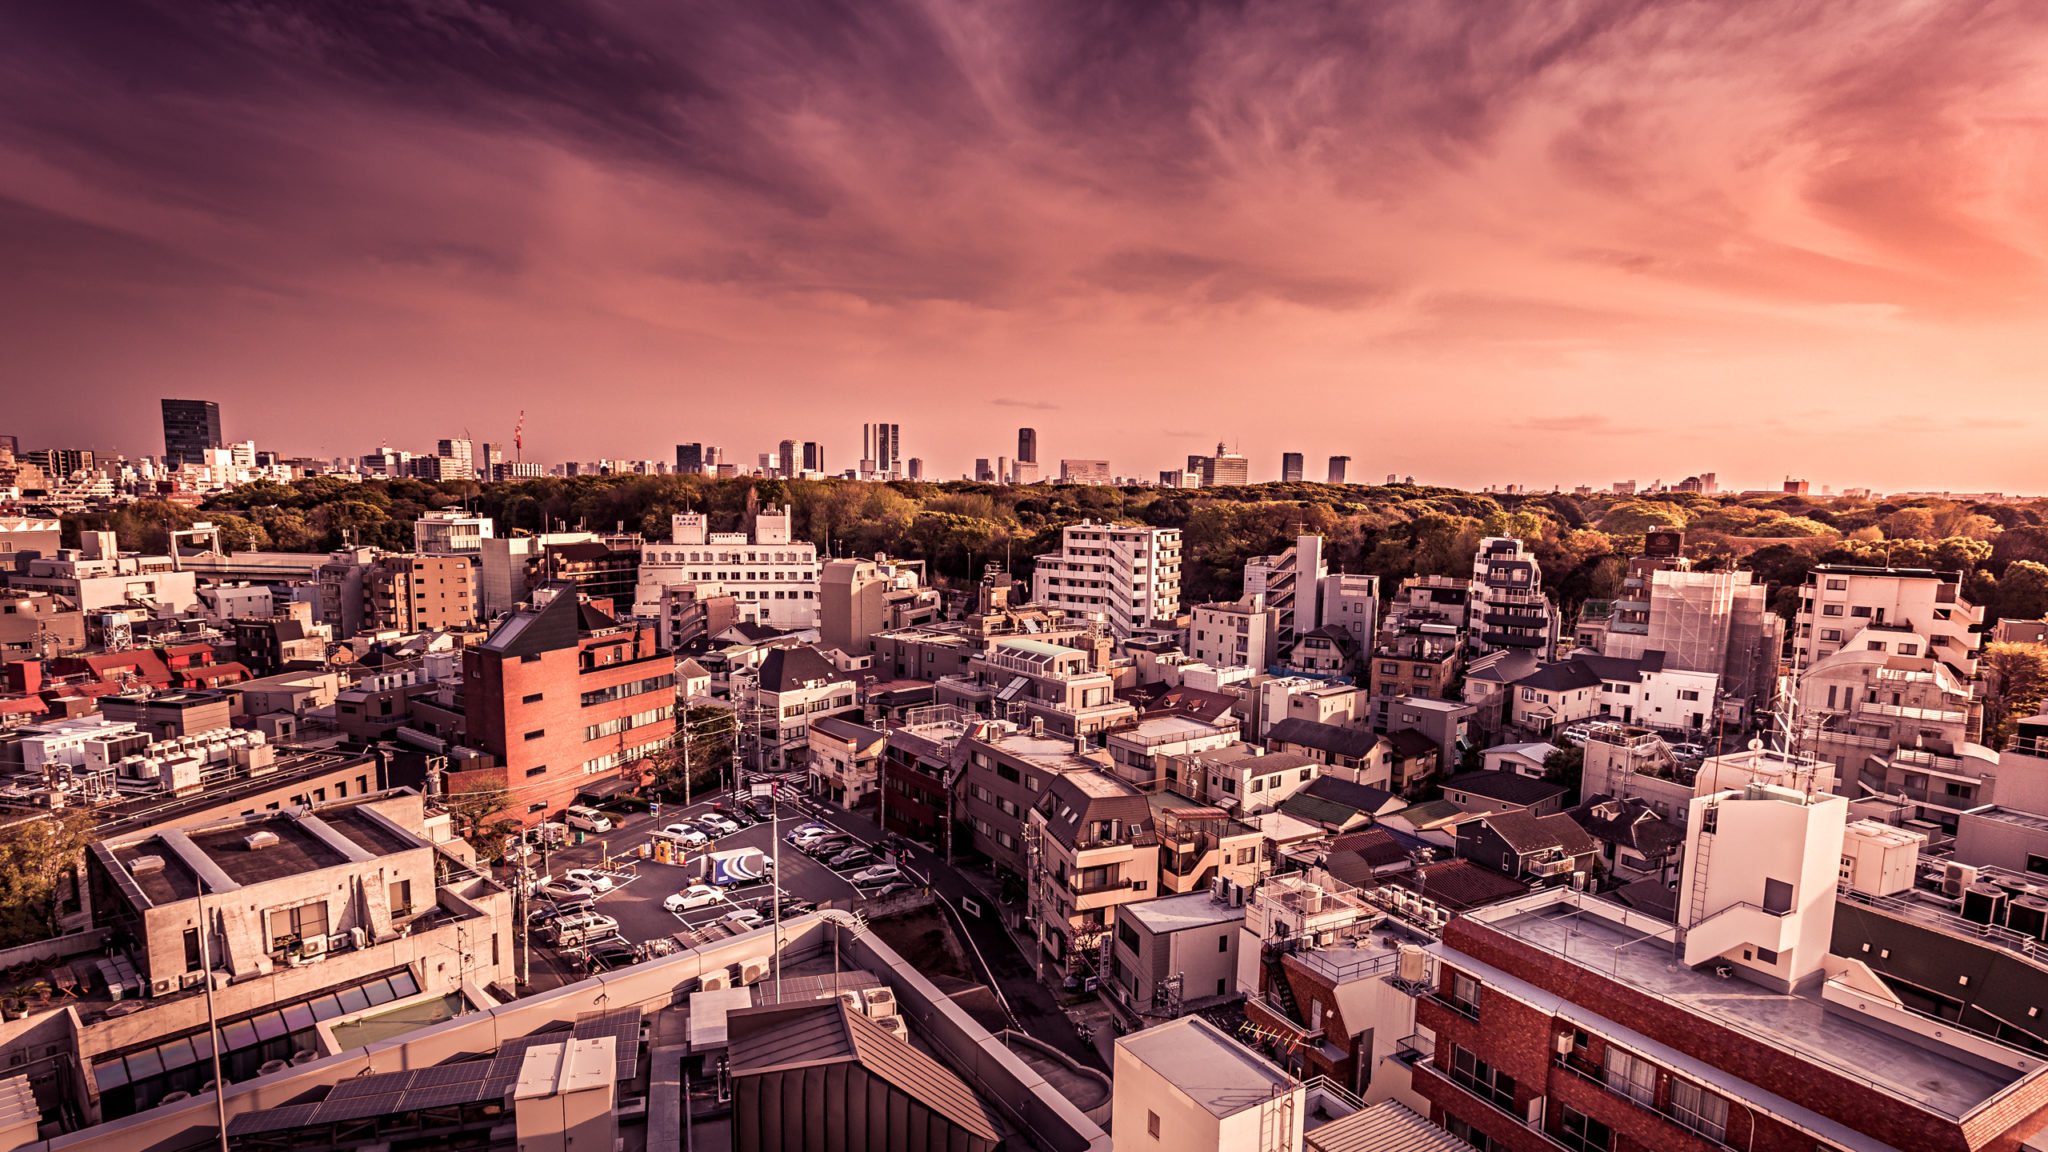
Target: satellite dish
pixel 1756 744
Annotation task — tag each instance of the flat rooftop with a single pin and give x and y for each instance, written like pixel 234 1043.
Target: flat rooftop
pixel 1213 1070
pixel 1797 1023
pixel 369 833
pixel 297 851
pixel 1190 910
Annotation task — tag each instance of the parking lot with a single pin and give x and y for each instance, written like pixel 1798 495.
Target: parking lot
pixel 640 885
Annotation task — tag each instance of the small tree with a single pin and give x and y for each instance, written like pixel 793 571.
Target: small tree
pixel 1566 765
pixel 35 855
pixel 476 805
pixel 703 742
pixel 2015 680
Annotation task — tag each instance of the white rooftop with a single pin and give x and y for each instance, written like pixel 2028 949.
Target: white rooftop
pixel 1189 910
pixel 1207 1066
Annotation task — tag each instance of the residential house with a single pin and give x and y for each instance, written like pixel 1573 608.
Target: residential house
pixel 1521 759
pixel 1636 843
pixel 1482 792
pixel 1349 753
pixel 845 760
pixel 1175 954
pixel 1339 805
pixel 1526 846
pixel 795 688
pixel 1097 850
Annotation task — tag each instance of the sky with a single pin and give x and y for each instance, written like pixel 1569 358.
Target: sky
pixel 1499 241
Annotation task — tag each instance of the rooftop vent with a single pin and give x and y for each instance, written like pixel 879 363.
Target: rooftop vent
pixel 141 864
pixel 260 840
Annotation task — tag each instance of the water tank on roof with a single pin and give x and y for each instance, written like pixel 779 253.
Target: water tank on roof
pixel 1413 966
pixel 1984 904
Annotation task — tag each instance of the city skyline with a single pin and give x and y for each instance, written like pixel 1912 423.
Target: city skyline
pixel 1407 227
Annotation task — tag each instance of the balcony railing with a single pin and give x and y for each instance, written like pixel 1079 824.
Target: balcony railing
pixel 1102 886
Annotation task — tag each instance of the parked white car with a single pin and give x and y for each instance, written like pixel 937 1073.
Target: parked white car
pixel 590 878
pixel 695 896
pixel 876 876
pixel 723 825
pixel 744 918
pixel 588 819
pixel 688 834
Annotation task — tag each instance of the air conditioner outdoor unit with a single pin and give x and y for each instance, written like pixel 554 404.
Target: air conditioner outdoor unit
pixel 881 1002
pixel 751 971
pixel 313 946
pixel 851 998
pixel 1956 877
pixel 160 988
pixel 895 1026
pixel 357 938
pixel 717 981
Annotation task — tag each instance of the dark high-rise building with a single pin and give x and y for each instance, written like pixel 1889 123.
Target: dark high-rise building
pixel 888 455
pixel 690 459
pixel 916 468
pixel 1027 445
pixel 814 456
pixel 190 428
pixel 785 459
pixel 1290 466
pixel 1339 466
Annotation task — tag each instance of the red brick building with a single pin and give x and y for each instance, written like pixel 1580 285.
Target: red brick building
pixel 564 697
pixel 1562 1020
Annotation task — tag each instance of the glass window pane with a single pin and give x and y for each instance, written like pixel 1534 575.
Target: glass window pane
pixel 379 991
pixel 238 1034
pixel 353 1000
pixel 144 1063
pixel 176 1053
pixel 326 1008
pixel 298 1017
pixel 405 985
pixel 270 1026
pixel 202 1049
pixel 111 1074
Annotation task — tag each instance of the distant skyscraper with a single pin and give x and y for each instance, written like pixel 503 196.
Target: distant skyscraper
pixel 1339 465
pixel 690 459
pixel 814 456
pixel 1002 470
pixel 1290 466
pixel 916 468
pixel 1027 445
pixel 190 428
pixel 981 471
pixel 462 452
pixel 884 446
pixel 786 458
pixel 488 460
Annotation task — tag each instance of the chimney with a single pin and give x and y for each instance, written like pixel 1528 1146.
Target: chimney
pixel 1080 744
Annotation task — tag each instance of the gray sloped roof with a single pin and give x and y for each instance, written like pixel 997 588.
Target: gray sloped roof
pixel 788 668
pixel 1357 742
pixel 781 1037
pixel 1389 1126
pixel 1506 787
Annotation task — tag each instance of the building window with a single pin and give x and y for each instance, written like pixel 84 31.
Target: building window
pixel 537 806
pixel 537 770
pixel 1631 1075
pixel 1464 994
pixel 1482 1079
pixel 401 897
pixel 533 699
pixel 288 926
pixel 192 950
pixel 536 734
pixel 1152 1124
pixel 1699 1109
pixel 1468 1134
pixel 1579 1131
pixel 1831 609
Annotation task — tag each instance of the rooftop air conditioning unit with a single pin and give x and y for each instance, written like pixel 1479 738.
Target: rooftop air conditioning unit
pixel 313 946
pixel 1236 895
pixel 160 988
pixel 142 864
pixel 752 970
pixel 717 981
pixel 852 999
pixel 895 1027
pixel 881 1002
pixel 1954 878
pixel 260 840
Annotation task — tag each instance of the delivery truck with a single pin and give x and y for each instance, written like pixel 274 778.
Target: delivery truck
pixel 738 868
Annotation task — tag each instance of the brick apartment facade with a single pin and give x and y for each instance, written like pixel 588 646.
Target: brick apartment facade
pixel 565 698
pixel 1556 1055
pixel 420 593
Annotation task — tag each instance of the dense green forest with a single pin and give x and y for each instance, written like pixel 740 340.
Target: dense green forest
pixel 1393 531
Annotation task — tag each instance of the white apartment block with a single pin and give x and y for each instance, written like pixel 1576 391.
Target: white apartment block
pixel 1291 582
pixel 770 572
pixel 1352 603
pixel 1129 575
pixel 1239 635
pixel 1840 601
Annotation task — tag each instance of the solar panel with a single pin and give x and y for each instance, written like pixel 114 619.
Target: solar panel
pixel 466 1073
pixel 358 1107
pixel 272 1119
pixel 1011 689
pixel 442 1096
pixel 371 1085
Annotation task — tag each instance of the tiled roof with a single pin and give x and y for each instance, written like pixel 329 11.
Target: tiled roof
pixel 1506 787
pixel 1354 742
pixel 1527 833
pixel 1358 797
pixel 790 668
pixel 1461 884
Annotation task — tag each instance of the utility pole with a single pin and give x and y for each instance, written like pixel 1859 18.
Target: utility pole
pixel 220 1084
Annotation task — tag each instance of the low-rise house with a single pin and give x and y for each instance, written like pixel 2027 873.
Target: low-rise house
pixel 1339 805
pixel 1635 842
pixel 1142 751
pixel 1176 954
pixel 1485 792
pixel 1415 758
pixel 1097 850
pixel 795 688
pixel 1009 770
pixel 845 757
pixel 1350 753
pixel 1327 651
pixel 1521 759
pixel 1527 846
pixel 1250 784
pixel 1199 843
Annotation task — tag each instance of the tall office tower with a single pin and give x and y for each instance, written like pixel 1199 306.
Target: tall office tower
pixel 492 456
pixel 982 474
pixel 713 456
pixel 1027 445
pixel 814 456
pixel 887 452
pixel 463 452
pixel 916 468
pixel 786 458
pixel 1002 470
pixel 190 428
pixel 690 459
pixel 1290 466
pixel 1339 465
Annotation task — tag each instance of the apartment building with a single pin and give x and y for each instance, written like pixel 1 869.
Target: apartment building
pixel 1352 603
pixel 419 593
pixel 923 761
pixel 1840 600
pixel 1789 1023
pixel 859 598
pixel 1176 953
pixel 1241 634
pixel 510 568
pixel 1008 770
pixel 564 697
pixel 1292 585
pixel 1508 608
pixel 769 569
pixel 314 919
pixel 1129 576
pixel 1717 622
pixel 1145 752
pixel 1095 851
pixel 1422 663
pixel 845 759
pixel 794 688
pixel 1896 720
pixel 98 578
pixel 451 532
pixel 1058 686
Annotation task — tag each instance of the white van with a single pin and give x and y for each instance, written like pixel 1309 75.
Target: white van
pixel 588 819
pixel 578 927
